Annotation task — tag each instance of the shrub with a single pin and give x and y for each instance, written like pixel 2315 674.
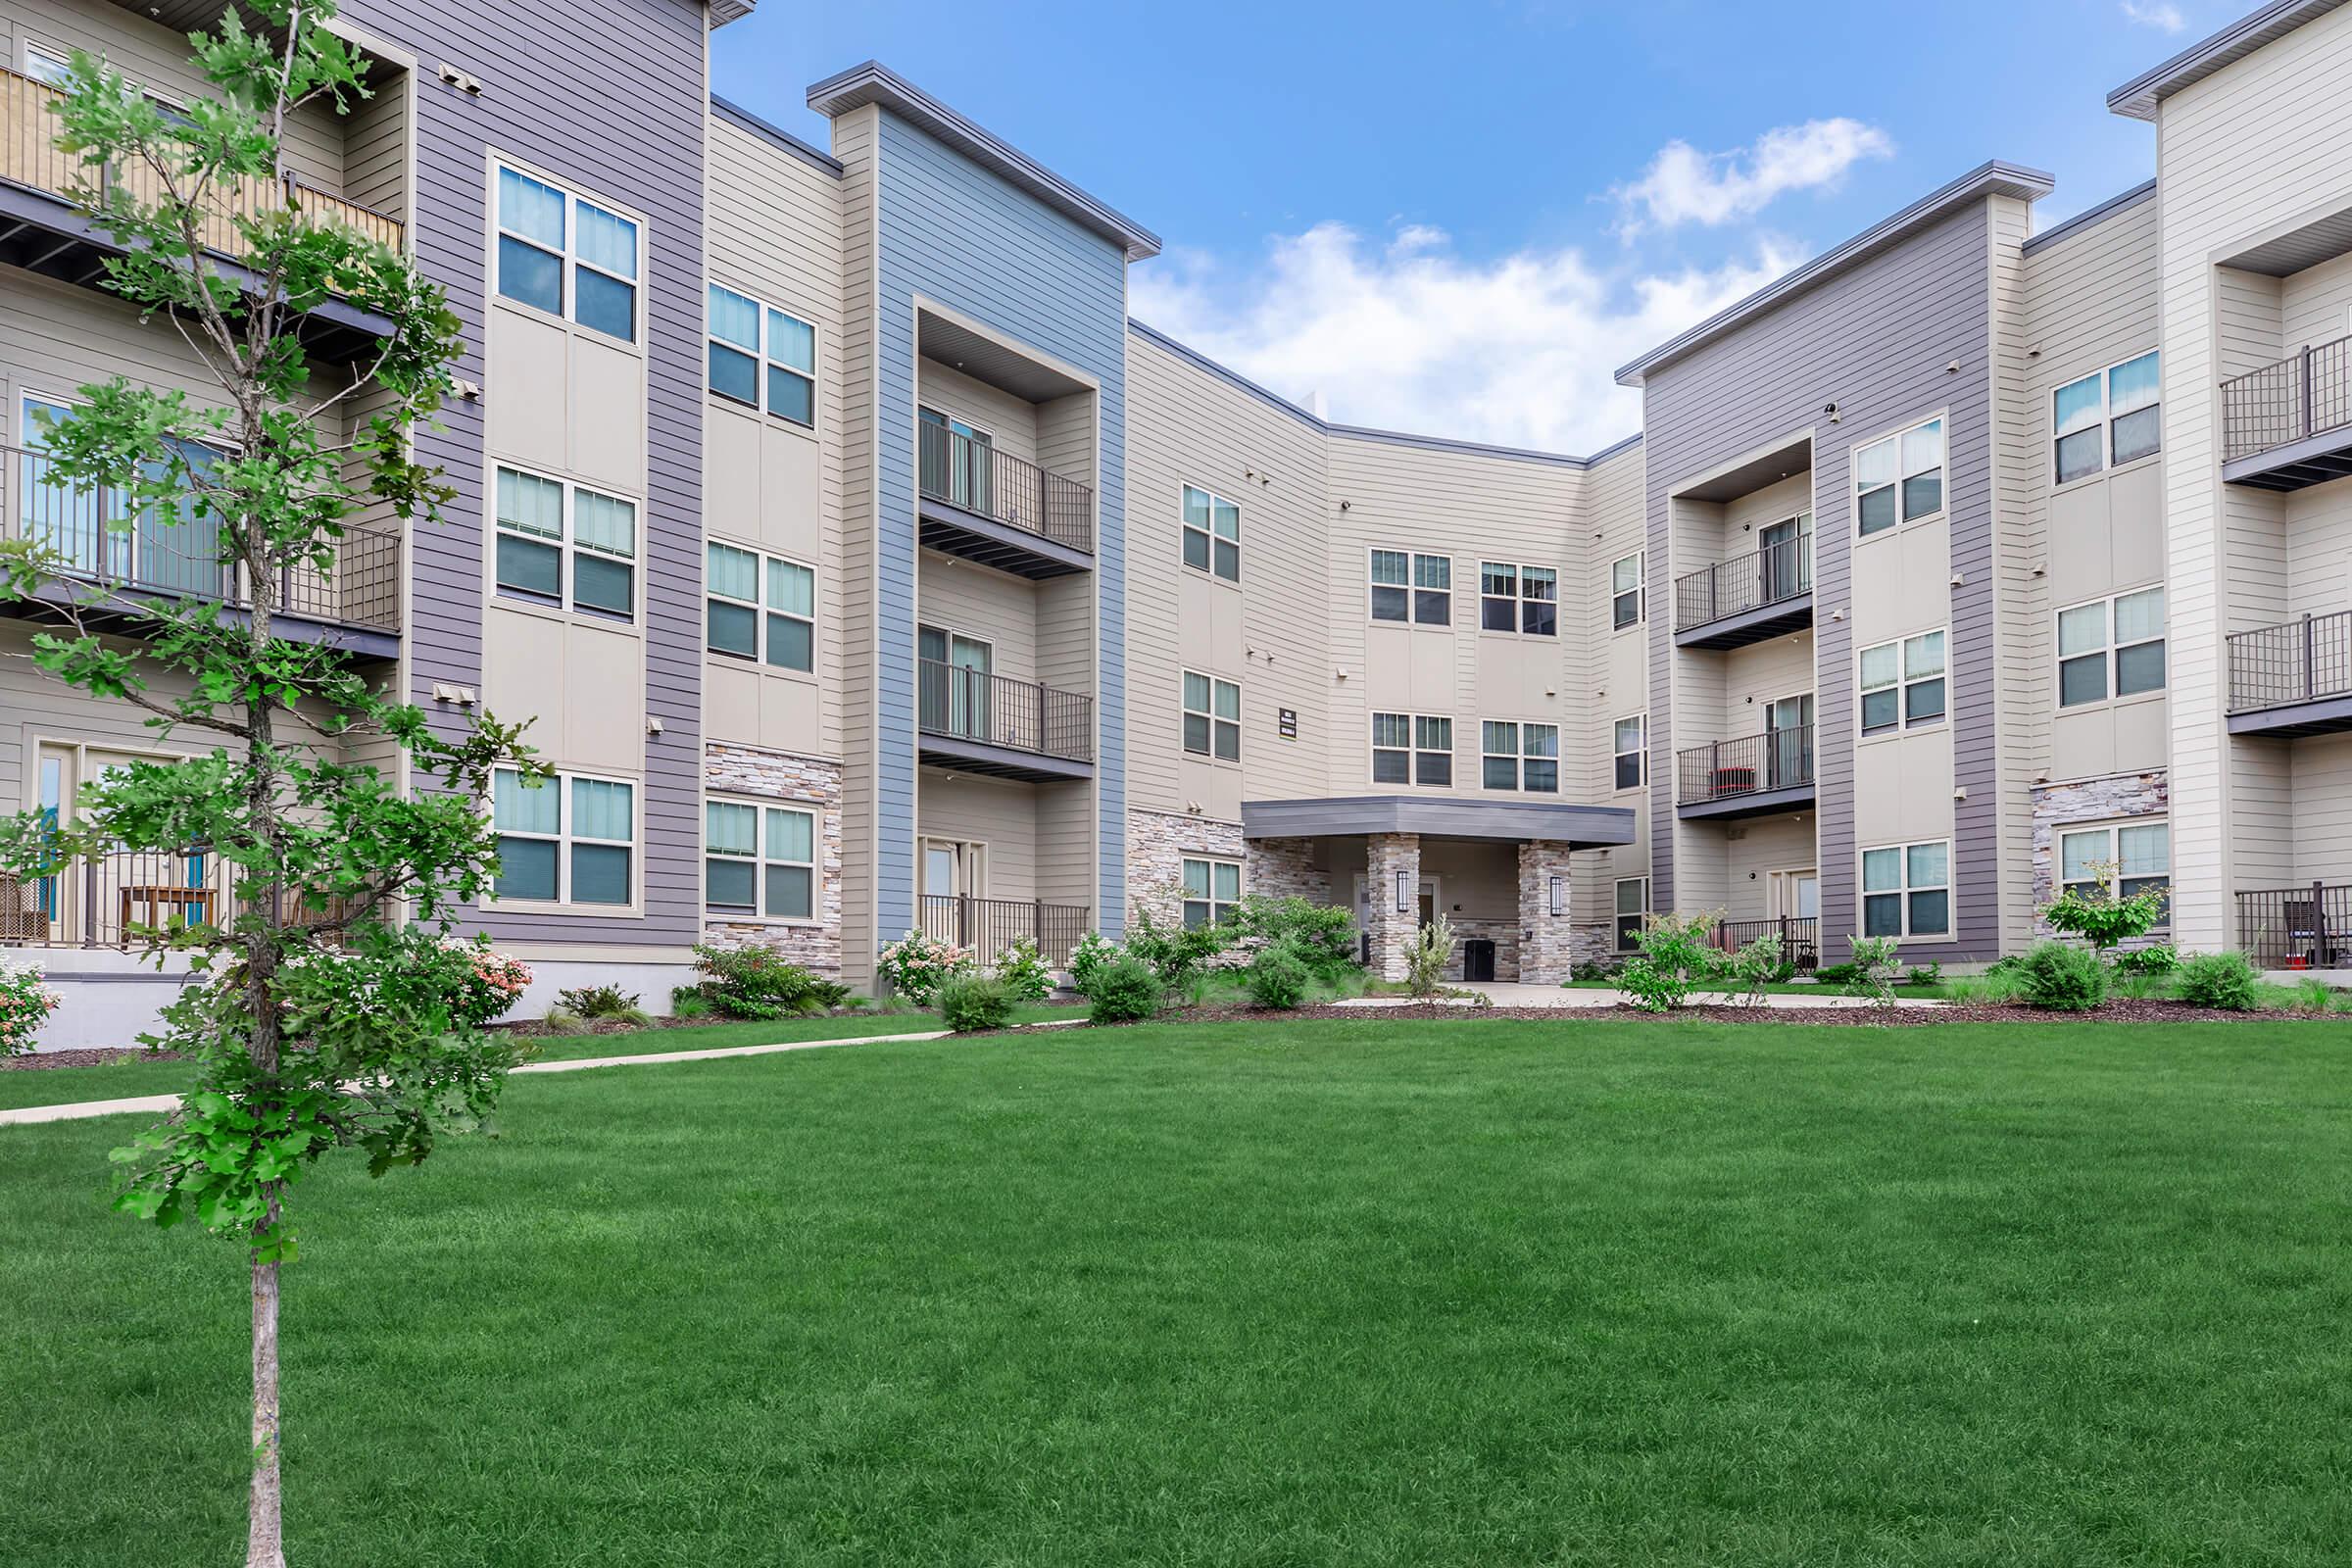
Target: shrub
pixel 1094 950
pixel 1426 956
pixel 2161 958
pixel 2221 980
pixel 757 982
pixel 974 1001
pixel 688 1002
pixel 1176 952
pixel 1838 974
pixel 2310 996
pixel 1876 971
pixel 2061 977
pixel 25 1003
pixel 1924 974
pixel 2100 916
pixel 915 966
pixel 1021 969
pixel 1278 977
pixel 1675 957
pixel 1321 935
pixel 1124 990
pixel 598 1003
pixel 1755 966
pixel 487 984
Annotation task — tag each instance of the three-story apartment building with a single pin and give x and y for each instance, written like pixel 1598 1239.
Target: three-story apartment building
pixel 864 568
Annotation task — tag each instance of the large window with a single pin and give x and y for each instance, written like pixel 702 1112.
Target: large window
pixel 2111 647
pixel 1212 718
pixel 1899 480
pixel 2117 859
pixel 759 861
pixel 1212 533
pixel 1625 592
pixel 1519 756
pixel 2109 417
pixel 757 351
pixel 1908 891
pixel 1211 890
pixel 1520 599
pixel 760 608
pixel 565 546
pixel 1633 907
pixel 1628 751
pixel 1412 749
pixel 569 839
pixel 1902 684
pixel 1413 588
pixel 565 255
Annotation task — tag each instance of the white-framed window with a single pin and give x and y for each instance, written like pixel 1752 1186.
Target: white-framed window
pixel 565 546
pixel 759 607
pixel 1633 907
pixel 758 861
pixel 1212 533
pixel 2111 648
pixel 1212 718
pixel 46 65
pixel 1628 751
pixel 1907 890
pixel 2109 417
pixel 1516 756
pixel 1412 749
pixel 1903 683
pixel 1518 599
pixel 2117 859
pixel 762 356
pixel 1899 480
pixel 1408 586
pixel 1627 601
pixel 563 254
pixel 568 839
pixel 1211 889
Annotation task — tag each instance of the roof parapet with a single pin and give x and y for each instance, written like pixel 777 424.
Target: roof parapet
pixel 2138 98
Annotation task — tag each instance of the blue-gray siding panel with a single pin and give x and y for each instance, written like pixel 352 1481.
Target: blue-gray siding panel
pixel 953 232
pixel 610 95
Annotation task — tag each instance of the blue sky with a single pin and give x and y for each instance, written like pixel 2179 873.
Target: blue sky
pixel 1461 219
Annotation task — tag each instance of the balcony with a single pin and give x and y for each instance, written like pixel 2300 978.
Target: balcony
pixel 986 925
pixel 1748 599
pixel 977 722
pixel 1799 938
pixel 1754 775
pixel 42 230
pixel 2293 679
pixel 2309 927
pixel 355 606
pixel 993 509
pixel 2289 425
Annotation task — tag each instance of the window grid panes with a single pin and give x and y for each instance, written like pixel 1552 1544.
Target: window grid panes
pixel 1907 890
pixel 565 255
pixel 1211 891
pixel 1212 718
pixel 1628 749
pixel 1904 683
pixel 2116 860
pixel 762 356
pixel 1899 480
pixel 758 608
pixel 1412 749
pixel 1212 533
pixel 2111 648
pixel 1632 907
pixel 1414 588
pixel 1625 592
pixel 2111 416
pixel 565 545
pixel 567 839
pixel 758 861
pixel 1518 599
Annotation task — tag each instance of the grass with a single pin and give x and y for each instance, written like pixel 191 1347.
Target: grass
pixel 120 1080
pixel 1310 1292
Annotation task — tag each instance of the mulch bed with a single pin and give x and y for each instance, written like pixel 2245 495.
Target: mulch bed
pixel 98 1057
pixel 2120 1011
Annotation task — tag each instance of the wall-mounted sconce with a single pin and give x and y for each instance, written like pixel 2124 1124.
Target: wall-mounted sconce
pixel 1559 894
pixel 1405 893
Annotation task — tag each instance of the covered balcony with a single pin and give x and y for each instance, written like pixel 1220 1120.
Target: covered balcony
pixel 1000 510
pixel 977 722
pixel 1754 775
pixel 1748 599
pixel 2291 680
pixel 986 926
pixel 2288 425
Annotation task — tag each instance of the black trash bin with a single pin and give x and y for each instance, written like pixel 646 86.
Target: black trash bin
pixel 1477 958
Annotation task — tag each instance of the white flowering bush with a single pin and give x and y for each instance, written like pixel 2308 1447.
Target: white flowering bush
pixel 1093 951
pixel 1022 970
pixel 490 984
pixel 25 1003
pixel 915 966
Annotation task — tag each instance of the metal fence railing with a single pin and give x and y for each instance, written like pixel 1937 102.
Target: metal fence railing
pixel 100 903
pixel 971 474
pixel 1799 936
pixel 1765 576
pixel 985 926
pixel 2294 661
pixel 2307 927
pixel 2308 393
pixel 974 705
pixel 1778 759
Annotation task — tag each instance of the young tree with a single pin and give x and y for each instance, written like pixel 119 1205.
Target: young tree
pixel 319 1017
pixel 2104 915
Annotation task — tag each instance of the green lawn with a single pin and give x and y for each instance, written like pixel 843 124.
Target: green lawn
pixel 1462 1292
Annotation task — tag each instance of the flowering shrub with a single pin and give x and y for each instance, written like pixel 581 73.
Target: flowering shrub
pixel 1093 951
pixel 25 1003
pixel 915 966
pixel 757 982
pixel 1022 970
pixel 489 986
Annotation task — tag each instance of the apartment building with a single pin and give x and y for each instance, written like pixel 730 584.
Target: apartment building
pixel 866 567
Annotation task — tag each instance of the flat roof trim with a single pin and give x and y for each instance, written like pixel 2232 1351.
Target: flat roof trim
pixel 1439 816
pixel 2122 201
pixel 743 119
pixel 2137 98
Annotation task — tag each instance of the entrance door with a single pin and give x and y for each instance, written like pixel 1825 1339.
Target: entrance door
pixel 1786 558
pixel 1788 732
pixel 96 900
pixel 1795 894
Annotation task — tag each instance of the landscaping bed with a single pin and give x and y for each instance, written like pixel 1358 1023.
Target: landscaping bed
pixel 2117 1011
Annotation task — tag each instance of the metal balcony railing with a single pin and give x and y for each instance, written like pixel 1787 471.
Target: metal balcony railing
pixel 2294 661
pixel 1800 939
pixel 985 926
pixel 1022 716
pixel 2309 927
pixel 2308 393
pixel 963 472
pixel 29 157
pixel 1765 576
pixel 102 542
pixel 1779 759
pixel 116 899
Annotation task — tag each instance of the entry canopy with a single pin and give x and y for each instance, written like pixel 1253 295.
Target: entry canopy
pixel 1582 827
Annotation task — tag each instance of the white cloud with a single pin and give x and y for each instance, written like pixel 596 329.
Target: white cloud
pixel 2157 14
pixel 1683 185
pixel 1410 336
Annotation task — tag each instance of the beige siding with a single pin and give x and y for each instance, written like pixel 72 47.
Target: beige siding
pixel 997 812
pixel 854 143
pixel 1607 675
pixel 1011 422
pixel 991 606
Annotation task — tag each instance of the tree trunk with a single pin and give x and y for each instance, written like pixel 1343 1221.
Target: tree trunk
pixel 265 1539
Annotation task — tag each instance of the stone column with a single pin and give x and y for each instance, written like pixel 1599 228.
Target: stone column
pixel 1546 941
pixel 1388 856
